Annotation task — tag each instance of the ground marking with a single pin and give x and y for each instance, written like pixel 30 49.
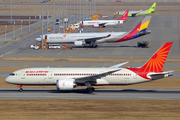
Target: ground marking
pixel 59 53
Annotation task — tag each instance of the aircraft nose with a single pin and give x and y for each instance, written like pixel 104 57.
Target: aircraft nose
pixel 7 80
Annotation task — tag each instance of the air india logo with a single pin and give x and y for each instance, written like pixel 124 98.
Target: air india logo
pixel 64 36
pixel 156 63
pixel 63 83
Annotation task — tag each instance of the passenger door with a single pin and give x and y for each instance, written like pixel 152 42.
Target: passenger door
pixel 50 75
pixel 23 75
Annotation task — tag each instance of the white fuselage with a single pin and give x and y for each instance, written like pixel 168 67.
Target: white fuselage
pixel 49 76
pixel 132 12
pixel 105 22
pixel 72 37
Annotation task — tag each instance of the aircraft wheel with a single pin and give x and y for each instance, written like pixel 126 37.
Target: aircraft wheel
pixel 96 46
pixel 21 89
pixel 89 90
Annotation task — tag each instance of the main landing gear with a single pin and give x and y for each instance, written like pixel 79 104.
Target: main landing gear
pixel 94 46
pixel 89 88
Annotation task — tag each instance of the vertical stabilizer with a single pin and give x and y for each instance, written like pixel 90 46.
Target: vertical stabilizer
pixel 124 16
pixel 156 62
pixel 151 9
pixel 138 31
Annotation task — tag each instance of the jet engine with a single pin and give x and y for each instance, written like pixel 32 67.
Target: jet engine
pixel 96 25
pixel 79 43
pixel 66 84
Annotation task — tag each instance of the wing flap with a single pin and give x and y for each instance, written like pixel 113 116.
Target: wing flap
pixel 95 38
pixel 94 77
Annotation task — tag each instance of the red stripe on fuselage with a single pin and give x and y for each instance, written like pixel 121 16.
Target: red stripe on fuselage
pixel 142 74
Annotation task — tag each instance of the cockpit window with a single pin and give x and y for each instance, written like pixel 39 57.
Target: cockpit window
pixel 12 74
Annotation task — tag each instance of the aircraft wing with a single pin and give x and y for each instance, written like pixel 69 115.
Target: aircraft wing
pixel 94 77
pixel 95 38
pixel 101 24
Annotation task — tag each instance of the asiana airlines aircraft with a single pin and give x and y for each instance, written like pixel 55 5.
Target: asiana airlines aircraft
pixel 69 78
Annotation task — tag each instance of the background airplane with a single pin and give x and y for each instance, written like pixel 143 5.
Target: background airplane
pixel 92 39
pixel 104 23
pixel 140 12
pixel 69 78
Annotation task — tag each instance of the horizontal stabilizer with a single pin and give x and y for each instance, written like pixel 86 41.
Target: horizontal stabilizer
pixel 164 74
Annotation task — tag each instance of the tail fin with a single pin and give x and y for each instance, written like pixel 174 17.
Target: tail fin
pixel 156 62
pixel 124 16
pixel 138 31
pixel 151 9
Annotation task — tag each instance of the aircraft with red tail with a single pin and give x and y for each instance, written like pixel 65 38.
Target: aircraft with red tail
pixel 92 39
pixel 104 23
pixel 69 78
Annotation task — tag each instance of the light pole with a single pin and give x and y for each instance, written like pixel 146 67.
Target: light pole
pixel 5 32
pixel 66 14
pixel 42 21
pixel 83 10
pixel 73 13
pixel 87 8
pixel 21 28
pixel 76 10
pixel 53 17
pixel 94 6
pixel 13 31
pixel 63 16
pixel 80 10
pixel 69 11
pixel 90 7
pixel 29 25
pixel 47 17
pixel 59 15
pixel 11 11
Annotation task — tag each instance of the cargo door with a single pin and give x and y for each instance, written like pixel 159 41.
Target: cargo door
pixel 23 75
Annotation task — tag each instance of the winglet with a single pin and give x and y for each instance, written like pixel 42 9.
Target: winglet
pixel 118 65
pixel 139 11
pixel 151 9
pixel 109 35
pixel 124 16
pixel 156 62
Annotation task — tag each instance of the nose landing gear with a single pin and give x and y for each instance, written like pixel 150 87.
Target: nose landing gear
pixel 20 88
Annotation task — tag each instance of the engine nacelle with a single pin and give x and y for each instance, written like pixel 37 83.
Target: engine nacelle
pixel 79 43
pixel 66 84
pixel 96 25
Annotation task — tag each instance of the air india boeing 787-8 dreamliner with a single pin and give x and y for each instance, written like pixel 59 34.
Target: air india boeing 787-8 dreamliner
pixel 69 78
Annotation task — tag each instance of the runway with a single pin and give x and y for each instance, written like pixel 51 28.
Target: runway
pixel 99 93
